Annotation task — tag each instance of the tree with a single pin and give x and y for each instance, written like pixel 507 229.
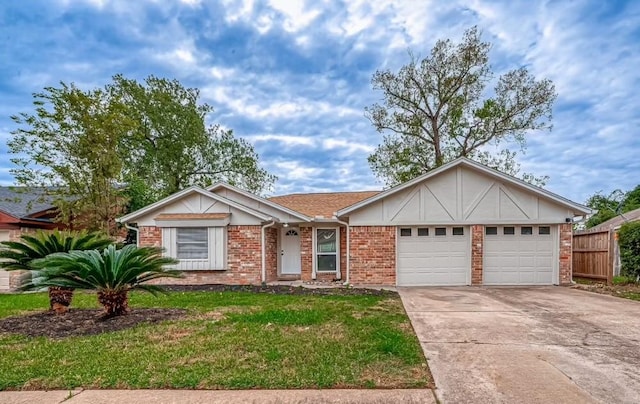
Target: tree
pixel 20 255
pixel 112 273
pixel 435 110
pixel 70 150
pixel 609 206
pixel 171 147
pixel 629 241
pixel 125 146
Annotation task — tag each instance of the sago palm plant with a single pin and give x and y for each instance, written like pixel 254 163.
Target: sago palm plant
pixel 111 272
pixel 19 255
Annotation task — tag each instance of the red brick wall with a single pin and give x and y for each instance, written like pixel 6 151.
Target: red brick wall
pixel 272 253
pixel 566 234
pixel 150 236
pixel 373 255
pixel 477 248
pixel 306 253
pixel 244 264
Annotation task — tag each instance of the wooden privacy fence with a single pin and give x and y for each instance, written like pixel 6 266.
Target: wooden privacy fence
pixel 593 255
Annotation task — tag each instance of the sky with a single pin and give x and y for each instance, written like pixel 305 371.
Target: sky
pixel 293 77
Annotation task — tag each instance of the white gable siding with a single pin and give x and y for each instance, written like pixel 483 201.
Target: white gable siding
pixel 256 205
pixel 461 196
pixel 198 203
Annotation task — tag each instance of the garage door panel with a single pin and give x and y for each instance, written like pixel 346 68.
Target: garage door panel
pixel 434 260
pixel 519 259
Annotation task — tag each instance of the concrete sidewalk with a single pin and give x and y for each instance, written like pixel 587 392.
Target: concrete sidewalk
pixel 218 396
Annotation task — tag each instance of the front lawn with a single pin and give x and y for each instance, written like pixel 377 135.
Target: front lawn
pixel 224 340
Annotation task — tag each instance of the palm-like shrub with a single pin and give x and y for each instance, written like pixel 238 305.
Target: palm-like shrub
pixel 111 272
pixel 19 255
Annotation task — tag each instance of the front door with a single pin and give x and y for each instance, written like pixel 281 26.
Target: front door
pixel 290 253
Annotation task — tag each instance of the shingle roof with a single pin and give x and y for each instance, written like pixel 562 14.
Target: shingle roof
pixel 21 202
pixel 321 204
pixel 631 216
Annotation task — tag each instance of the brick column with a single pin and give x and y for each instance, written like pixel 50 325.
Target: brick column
pixel 477 249
pixel 373 255
pixel 306 253
pixel 566 239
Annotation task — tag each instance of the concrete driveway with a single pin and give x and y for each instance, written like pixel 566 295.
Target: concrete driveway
pixel 528 345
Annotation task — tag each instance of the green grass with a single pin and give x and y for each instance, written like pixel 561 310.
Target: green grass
pixel 229 340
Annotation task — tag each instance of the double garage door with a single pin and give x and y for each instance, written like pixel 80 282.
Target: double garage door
pixel 441 256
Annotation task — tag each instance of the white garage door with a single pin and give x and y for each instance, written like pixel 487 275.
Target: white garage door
pixel 433 256
pixel 520 255
pixel 4 275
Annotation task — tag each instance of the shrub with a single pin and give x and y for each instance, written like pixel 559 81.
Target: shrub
pixel 629 242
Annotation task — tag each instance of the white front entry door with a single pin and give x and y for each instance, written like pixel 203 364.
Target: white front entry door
pixel 290 254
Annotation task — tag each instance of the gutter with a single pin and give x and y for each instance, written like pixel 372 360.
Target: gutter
pixel 264 250
pixel 136 230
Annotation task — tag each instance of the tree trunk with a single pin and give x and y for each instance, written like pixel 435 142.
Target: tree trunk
pixel 60 299
pixel 115 303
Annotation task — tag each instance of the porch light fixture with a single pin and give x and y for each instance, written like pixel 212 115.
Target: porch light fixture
pixel 285 224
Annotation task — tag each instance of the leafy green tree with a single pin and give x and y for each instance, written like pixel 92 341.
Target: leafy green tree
pixel 20 255
pixel 172 148
pixel 70 149
pixel 609 206
pixel 435 110
pixel 629 241
pixel 126 145
pixel 111 272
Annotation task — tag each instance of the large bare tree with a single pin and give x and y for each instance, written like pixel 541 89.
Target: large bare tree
pixel 438 108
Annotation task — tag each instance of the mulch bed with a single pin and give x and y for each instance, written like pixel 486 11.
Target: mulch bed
pixel 78 322
pixel 283 290
pixel 613 290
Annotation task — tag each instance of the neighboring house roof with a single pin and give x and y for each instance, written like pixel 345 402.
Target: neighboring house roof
pixel 259 199
pixel 21 202
pixel 321 204
pixel 463 161
pixel 631 216
pixel 193 189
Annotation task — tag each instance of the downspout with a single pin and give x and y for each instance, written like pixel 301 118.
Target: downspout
pixel 348 252
pixel 135 229
pixel 264 250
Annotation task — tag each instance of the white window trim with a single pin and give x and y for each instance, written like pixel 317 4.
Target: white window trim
pixel 316 254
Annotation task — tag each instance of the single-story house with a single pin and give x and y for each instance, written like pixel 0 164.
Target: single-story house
pixel 460 224
pixel 21 211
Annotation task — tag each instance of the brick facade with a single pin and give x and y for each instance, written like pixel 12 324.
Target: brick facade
pixel 477 249
pixel 306 253
pixel 271 237
pixel 565 236
pixel 244 263
pixel 373 255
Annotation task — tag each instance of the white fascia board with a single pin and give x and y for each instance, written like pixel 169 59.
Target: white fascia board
pixel 259 199
pixel 188 191
pixel 480 167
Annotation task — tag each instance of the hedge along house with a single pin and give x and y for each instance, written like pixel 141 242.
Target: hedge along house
pixel 460 224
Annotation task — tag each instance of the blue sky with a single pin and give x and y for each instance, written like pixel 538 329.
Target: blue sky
pixel 293 77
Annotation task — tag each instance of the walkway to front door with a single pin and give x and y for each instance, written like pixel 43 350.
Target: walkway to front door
pixel 290 251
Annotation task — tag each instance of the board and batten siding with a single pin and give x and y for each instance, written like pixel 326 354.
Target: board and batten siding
pixel 461 196
pixel 217 243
